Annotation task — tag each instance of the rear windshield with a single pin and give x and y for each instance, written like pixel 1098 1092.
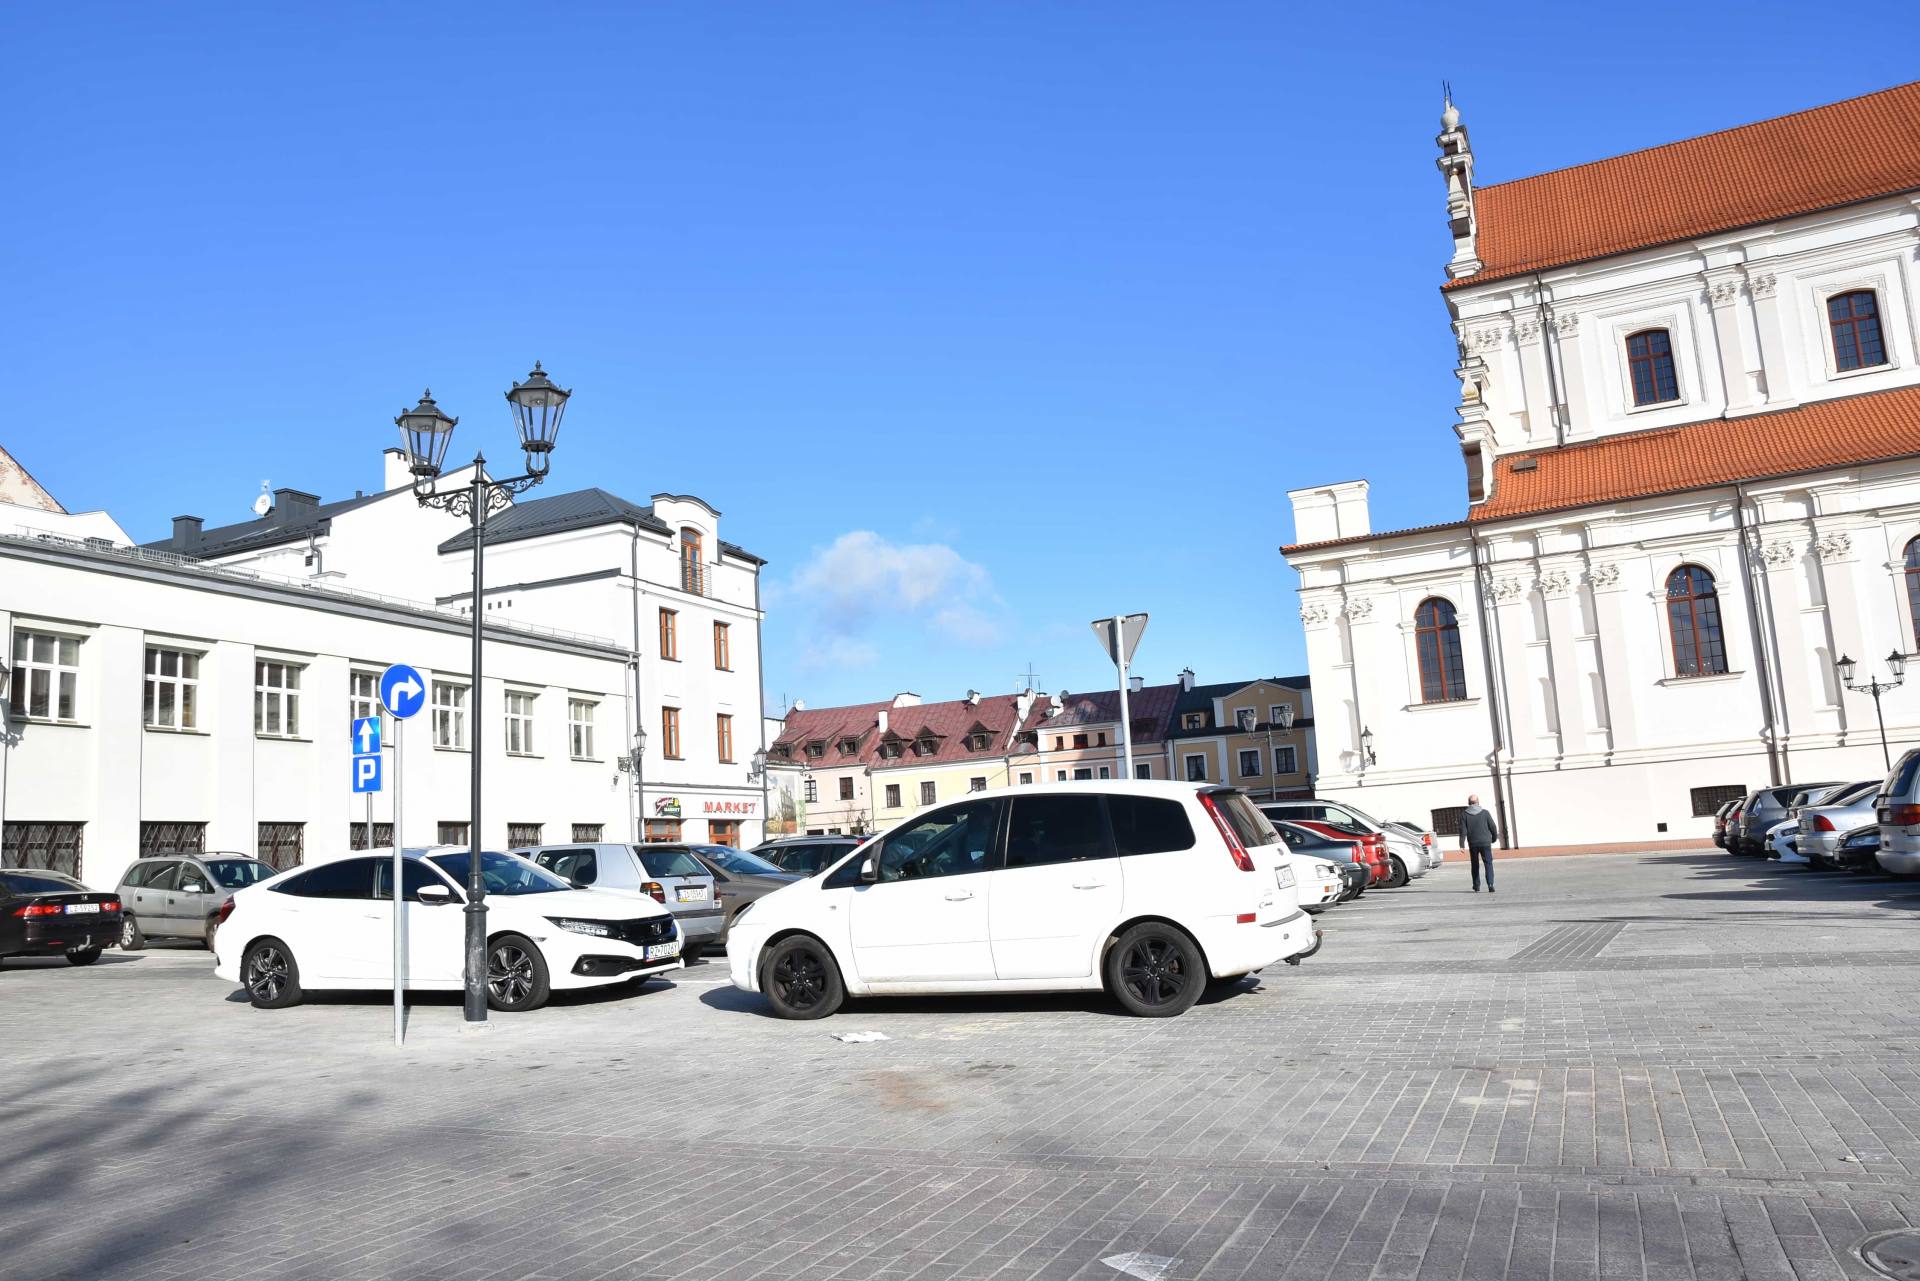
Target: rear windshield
pixel 1900 782
pixel 1247 822
pixel 670 863
pixel 743 862
pixel 38 883
pixel 236 873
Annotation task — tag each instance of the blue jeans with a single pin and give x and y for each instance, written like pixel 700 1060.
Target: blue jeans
pixel 1481 854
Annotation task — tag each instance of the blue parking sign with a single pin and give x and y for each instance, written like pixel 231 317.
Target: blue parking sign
pixel 366 773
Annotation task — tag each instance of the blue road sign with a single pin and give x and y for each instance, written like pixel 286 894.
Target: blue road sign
pixel 366 736
pixel 366 773
pixel 402 690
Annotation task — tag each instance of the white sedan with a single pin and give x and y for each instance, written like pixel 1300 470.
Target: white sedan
pixel 330 925
pixel 1147 890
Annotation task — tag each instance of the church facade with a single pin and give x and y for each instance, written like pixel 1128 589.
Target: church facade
pixel 1689 416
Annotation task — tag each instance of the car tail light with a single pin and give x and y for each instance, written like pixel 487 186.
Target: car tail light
pixel 1821 823
pixel 1903 815
pixel 39 909
pixel 226 910
pixel 657 890
pixel 111 905
pixel 1241 859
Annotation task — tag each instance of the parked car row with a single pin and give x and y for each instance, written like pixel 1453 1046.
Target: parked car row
pixel 1149 891
pixel 1870 825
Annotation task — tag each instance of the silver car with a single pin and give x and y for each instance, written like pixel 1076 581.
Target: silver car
pixel 180 895
pixel 1827 820
pixel 1897 807
pixel 1764 810
pixel 667 874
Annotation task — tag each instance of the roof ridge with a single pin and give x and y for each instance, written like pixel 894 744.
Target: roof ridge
pixel 1698 137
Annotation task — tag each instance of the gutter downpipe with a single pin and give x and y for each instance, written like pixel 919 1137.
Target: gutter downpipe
pixel 1763 669
pixel 639 803
pixel 1548 341
pixel 1501 814
pixel 760 672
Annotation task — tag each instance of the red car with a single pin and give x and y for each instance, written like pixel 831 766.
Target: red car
pixel 1372 845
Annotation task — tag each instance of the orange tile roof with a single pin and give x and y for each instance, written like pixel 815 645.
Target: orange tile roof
pixel 1818 159
pixel 1828 433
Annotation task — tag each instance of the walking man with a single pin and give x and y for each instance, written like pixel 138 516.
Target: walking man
pixel 1478 832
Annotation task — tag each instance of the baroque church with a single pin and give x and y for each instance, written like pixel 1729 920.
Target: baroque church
pixel 1689 419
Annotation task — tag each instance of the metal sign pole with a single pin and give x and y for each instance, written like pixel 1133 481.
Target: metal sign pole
pixel 1126 718
pixel 399 902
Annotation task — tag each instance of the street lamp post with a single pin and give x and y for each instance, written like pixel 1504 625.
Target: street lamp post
pixel 757 771
pixel 1897 664
pixel 633 763
pixel 1286 727
pixel 537 407
pixel 1367 755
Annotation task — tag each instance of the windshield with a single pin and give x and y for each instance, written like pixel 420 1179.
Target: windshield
pixel 670 862
pixel 502 873
pixel 742 862
pixel 38 883
pixel 236 873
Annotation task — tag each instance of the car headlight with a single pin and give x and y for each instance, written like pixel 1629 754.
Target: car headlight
pixel 599 929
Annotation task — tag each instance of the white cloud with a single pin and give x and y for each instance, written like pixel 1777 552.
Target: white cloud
pixel 862 581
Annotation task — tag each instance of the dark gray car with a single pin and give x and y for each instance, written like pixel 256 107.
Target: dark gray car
pixel 1762 810
pixel 806 855
pixel 739 878
pixel 180 895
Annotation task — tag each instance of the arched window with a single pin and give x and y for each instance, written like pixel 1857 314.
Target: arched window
pixel 1650 363
pixel 691 568
pixel 1436 633
pixel 1693 615
pixel 1855 320
pixel 1913 587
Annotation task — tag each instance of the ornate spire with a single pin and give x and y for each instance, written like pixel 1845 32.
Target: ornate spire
pixel 1456 166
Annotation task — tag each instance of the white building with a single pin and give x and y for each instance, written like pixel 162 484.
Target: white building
pixel 682 603
pixel 1690 417
pixel 154 704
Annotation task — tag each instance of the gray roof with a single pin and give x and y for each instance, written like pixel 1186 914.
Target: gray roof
pixel 1200 699
pixel 580 509
pixel 289 521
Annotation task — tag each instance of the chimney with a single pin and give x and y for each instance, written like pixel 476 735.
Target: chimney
pixel 883 720
pixel 291 506
pixel 1135 684
pixel 396 471
pixel 186 532
pixel 1186 679
pixel 1322 513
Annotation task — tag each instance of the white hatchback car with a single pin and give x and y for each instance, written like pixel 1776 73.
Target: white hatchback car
pixel 330 925
pixel 1149 890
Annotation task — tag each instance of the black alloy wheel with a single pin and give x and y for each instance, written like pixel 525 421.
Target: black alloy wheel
pixel 269 974
pixel 516 975
pixel 1155 971
pixel 800 980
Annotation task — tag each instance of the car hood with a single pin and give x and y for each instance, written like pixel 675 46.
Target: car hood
pixel 594 905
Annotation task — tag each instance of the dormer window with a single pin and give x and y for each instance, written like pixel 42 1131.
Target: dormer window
pixel 816 749
pixel 1650 367
pixel 977 741
pixel 890 750
pixel 848 746
pixel 1194 720
pixel 1028 738
pixel 926 746
pixel 1855 321
pixel 782 753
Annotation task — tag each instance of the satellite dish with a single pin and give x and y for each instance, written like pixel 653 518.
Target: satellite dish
pixel 264 503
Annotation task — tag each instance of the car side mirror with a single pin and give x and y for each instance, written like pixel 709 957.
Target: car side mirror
pixel 577 883
pixel 434 895
pixel 869 870
pixel 193 887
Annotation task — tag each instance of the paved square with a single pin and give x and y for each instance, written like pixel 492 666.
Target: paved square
pixel 1664 1066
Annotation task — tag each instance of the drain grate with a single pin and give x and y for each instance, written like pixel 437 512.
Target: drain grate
pixel 1571 942
pixel 1895 1254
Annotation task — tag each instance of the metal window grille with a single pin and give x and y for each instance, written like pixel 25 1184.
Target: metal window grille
pixel 1446 822
pixel 451 833
pixel 523 834
pixel 382 836
pixel 172 838
pixel 282 845
pixel 1708 800
pixel 54 847
pixel 589 833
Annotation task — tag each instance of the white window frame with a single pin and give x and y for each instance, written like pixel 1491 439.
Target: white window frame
pixel 1292 759
pixel 58 677
pixel 810 792
pixel 518 706
pixel 1142 769
pixel 977 784
pixel 892 796
pixel 1680 338
pixel 183 685
pixel 363 699
pixel 1106 771
pixel 580 713
pixel 928 792
pixel 1026 777
pixel 1245 752
pixel 1825 292
pixel 449 710
pixel 279 696
pixel 1186 766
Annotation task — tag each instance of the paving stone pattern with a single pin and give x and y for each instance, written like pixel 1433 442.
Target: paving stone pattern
pixel 1659 1067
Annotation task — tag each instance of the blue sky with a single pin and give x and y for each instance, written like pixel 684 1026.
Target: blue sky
pixel 979 321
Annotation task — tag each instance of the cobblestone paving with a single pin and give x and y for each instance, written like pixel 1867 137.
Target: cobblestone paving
pixel 1661 1067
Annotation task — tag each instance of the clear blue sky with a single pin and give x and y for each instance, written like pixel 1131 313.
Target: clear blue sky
pixel 977 320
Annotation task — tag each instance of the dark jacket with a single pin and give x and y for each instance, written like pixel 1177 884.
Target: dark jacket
pixel 1479 829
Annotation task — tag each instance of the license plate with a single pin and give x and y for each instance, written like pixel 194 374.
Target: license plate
pixel 76 908
pixel 661 951
pixel 690 894
pixel 1284 875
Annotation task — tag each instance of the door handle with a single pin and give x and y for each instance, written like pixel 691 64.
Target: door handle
pixel 961 897
pixel 1089 885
